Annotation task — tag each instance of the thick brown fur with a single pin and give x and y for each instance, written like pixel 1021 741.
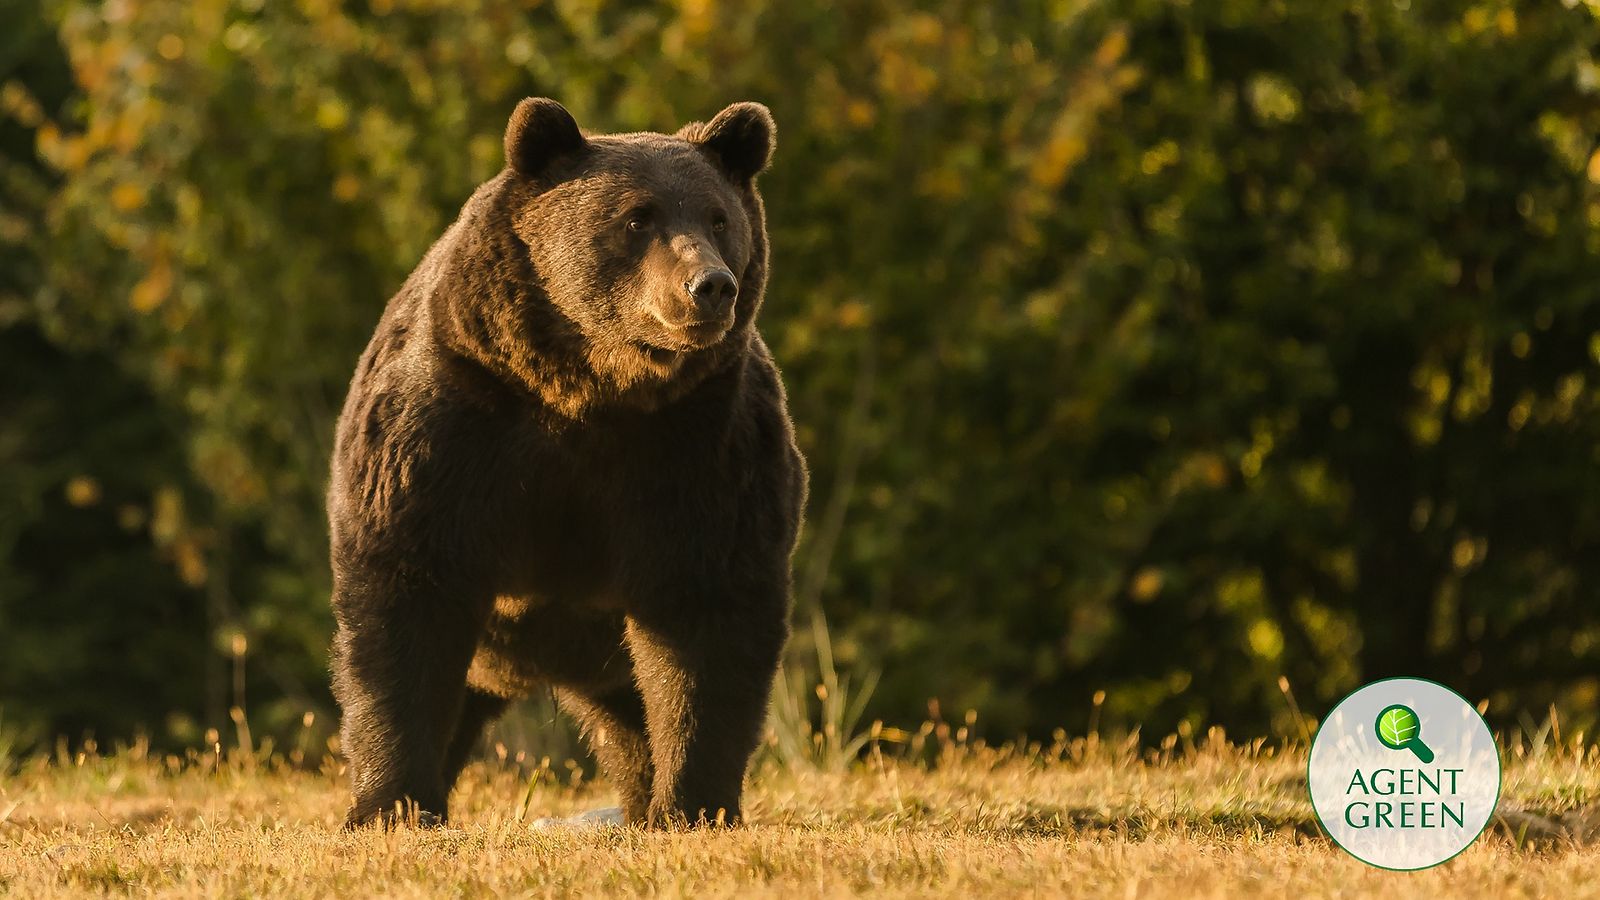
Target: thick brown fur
pixel 566 462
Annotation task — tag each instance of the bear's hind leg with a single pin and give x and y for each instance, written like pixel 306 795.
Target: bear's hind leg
pixel 477 711
pixel 613 722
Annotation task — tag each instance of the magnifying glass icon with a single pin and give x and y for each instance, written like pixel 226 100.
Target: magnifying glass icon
pixel 1400 729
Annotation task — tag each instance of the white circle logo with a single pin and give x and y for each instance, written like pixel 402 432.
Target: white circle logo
pixel 1404 774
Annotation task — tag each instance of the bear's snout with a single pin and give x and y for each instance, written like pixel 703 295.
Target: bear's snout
pixel 713 291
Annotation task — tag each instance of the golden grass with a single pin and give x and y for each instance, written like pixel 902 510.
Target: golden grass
pixel 1080 820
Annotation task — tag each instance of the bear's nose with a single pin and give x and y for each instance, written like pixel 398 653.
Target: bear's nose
pixel 713 291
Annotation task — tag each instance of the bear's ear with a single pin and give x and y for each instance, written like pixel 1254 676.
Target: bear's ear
pixel 741 137
pixel 540 130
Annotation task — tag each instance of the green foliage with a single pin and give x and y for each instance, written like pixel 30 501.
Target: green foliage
pixel 1164 348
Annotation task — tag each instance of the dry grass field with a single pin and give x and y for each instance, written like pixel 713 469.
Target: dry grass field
pixel 1076 819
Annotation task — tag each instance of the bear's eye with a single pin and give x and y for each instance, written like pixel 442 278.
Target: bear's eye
pixel 638 220
pixel 719 223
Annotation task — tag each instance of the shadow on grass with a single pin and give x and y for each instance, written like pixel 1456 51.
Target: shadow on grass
pixel 1141 825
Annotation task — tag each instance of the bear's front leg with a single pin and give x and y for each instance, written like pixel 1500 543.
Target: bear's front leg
pixel 400 667
pixel 706 671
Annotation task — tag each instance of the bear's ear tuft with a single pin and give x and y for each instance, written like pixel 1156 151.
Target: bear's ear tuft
pixel 540 130
pixel 741 137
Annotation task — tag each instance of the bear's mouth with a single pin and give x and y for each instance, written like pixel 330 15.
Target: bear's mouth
pixel 681 338
pixel 661 356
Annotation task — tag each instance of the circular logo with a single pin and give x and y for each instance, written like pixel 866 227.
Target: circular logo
pixel 1404 774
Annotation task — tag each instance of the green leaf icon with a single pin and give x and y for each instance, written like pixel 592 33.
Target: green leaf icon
pixel 1400 729
pixel 1397 726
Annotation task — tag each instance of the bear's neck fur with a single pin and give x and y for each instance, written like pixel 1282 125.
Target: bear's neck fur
pixel 487 307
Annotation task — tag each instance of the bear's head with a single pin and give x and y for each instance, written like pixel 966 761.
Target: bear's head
pixel 652 247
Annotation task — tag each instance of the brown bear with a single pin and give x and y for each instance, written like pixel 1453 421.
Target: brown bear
pixel 566 462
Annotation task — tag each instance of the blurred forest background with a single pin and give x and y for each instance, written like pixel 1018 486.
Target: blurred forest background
pixel 1158 347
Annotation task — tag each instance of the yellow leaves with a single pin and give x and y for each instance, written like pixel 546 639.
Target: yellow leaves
pixel 520 50
pixel 917 54
pixel 1200 470
pixel 1593 169
pixel 48 141
pixel 881 496
pixel 67 153
pixel 1146 584
pixel 1475 390
pixel 152 289
pixel 1345 568
pixel 1043 308
pixel 74 153
pixel 1481 19
pixel 1468 552
pixel 926 29
pixel 226 467
pixel 1112 49
pixel 1569 389
pixel 241 37
pixel 1265 639
pixel 82 491
pixel 190 562
pixel 862 113
pixel 1239 591
pixel 19 104
pixel 1273 98
pixel 905 78
pixel 186 200
pixel 1520 412
pixel 1262 442
pixel 166 516
pixel 1433 381
pixel 1250 463
pixel 1115 506
pixel 1060 153
pixel 1159 157
pixel 853 314
pixel 1427 428
pixel 346 187
pixel 697 18
pixel 127 196
pixel 1068 140
pixel 90 73
pixel 941 183
pixel 172 533
pixel 332 114
pixel 129 129
pixel 170 46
